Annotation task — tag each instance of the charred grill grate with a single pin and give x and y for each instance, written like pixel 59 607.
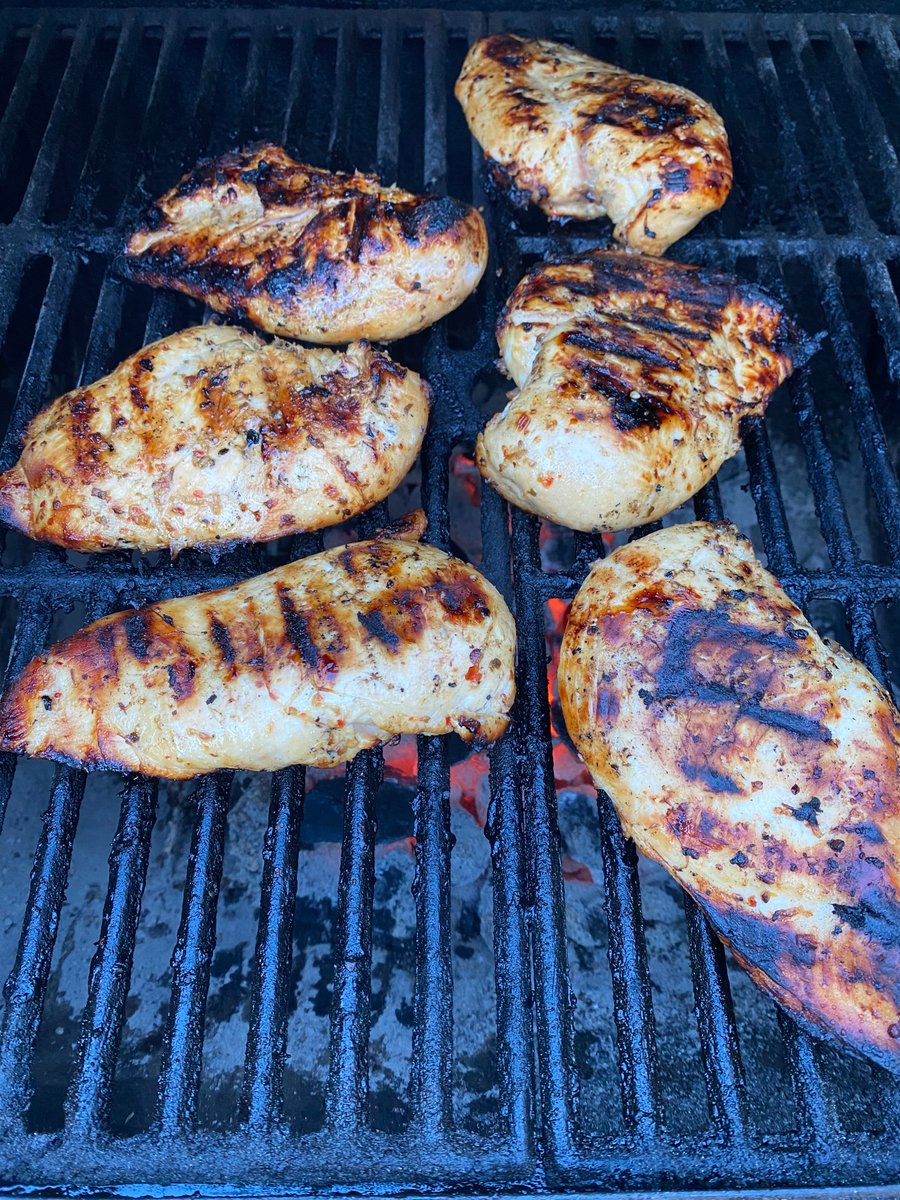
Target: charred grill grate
pixel 686 1078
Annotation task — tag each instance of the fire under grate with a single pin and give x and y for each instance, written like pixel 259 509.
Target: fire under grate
pixel 426 971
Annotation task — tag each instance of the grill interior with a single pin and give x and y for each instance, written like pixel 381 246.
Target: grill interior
pixel 272 987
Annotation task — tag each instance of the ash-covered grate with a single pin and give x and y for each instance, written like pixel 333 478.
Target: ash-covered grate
pixel 367 979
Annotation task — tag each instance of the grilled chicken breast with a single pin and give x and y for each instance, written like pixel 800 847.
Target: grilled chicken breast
pixel 310 663
pixel 213 435
pixel 634 375
pixel 756 762
pixel 581 138
pixel 308 253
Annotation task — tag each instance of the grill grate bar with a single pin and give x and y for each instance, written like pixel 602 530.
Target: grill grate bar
pixel 513 977
pixel 40 356
pixel 778 113
pixel 104 327
pixel 719 1046
pixel 26 81
pixel 816 1111
pixel 267 1036
pixel 123 62
pixel 191 959
pixel 873 446
pixel 30 636
pixel 433 1002
pixel 160 114
pixel 885 38
pixel 864 632
pixel 26 986
pixel 708 502
pixel 435 160
pixel 509 875
pixel 161 317
pixel 555 1051
pixel 338 140
pixel 388 146
pixel 197 142
pixel 822 476
pixel 632 1003
pixel 887 312
pixel 12 266
pixel 301 50
pixel 823 113
pixel 767 498
pixel 38 190
pixel 110 974
pixel 260 47
pixel 864 103
pixel 348 1085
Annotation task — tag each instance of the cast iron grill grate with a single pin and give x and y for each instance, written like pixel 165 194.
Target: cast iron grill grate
pixel 686 1077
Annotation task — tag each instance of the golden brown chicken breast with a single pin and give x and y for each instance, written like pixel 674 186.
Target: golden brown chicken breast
pixel 581 138
pixel 213 435
pixel 756 762
pixel 309 253
pixel 633 375
pixel 310 663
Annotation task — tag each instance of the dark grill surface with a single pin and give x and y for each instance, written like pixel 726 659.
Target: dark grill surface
pixel 274 989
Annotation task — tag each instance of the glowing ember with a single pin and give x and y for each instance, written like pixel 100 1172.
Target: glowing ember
pixel 469 786
pixel 401 761
pixel 575 871
pixel 404 844
pixel 568 769
pixel 463 466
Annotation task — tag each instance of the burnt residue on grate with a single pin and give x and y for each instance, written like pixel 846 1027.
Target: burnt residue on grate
pixel 432 969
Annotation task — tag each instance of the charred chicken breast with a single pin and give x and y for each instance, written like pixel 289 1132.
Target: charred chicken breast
pixel 634 375
pixel 213 435
pixel 310 663
pixel 582 138
pixel 309 253
pixel 756 762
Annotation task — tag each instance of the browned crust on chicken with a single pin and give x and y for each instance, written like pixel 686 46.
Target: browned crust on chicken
pixel 582 138
pixel 214 436
pixel 757 763
pixel 634 377
pixel 310 663
pixel 309 253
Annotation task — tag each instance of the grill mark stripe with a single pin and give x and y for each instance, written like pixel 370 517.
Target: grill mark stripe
pixel 621 349
pixel 222 639
pixel 137 635
pixel 297 628
pixel 374 624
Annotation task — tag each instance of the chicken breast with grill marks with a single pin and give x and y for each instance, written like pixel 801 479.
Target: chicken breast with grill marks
pixel 212 435
pixel 756 762
pixel 310 663
pixel 634 375
pixel 308 253
pixel 582 138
